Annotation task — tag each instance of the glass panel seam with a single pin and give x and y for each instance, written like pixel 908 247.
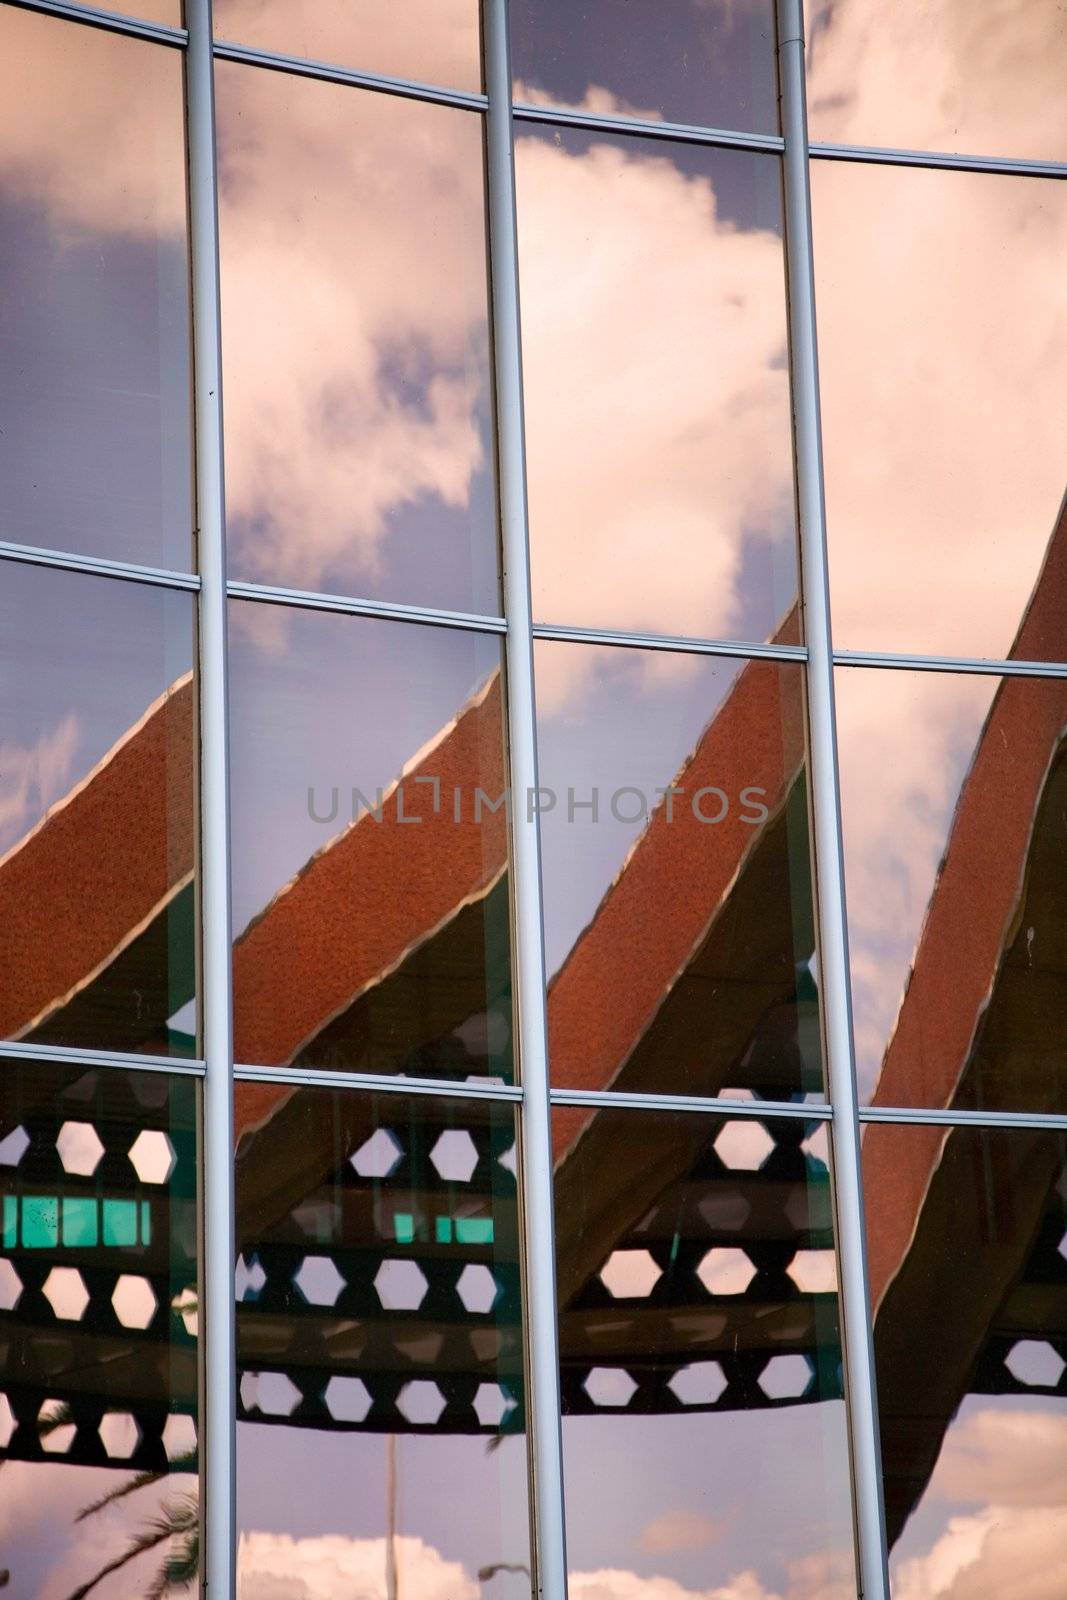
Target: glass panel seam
pixel 109 21
pixel 942 159
pixel 857 1337
pixel 17 1050
pixel 680 643
pixel 380 83
pixel 684 132
pixel 99 566
pixel 377 1083
pixel 354 605
pixel 971 664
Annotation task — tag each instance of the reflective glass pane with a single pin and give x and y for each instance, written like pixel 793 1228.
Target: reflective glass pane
pixel 369 845
pixel 355 342
pixel 703 62
pixel 677 873
pixel 97 829
pixel 657 394
pixel 95 448
pixel 381 1420
pixel 98 1308
pixel 966 1234
pixel 430 41
pixel 703 1425
pixel 943 360
pixel 981 79
pixel 953 794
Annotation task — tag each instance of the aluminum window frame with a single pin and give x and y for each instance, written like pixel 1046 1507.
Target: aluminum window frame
pixel 533 1096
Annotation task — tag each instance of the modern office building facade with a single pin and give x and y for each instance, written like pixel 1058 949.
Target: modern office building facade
pixel 533 992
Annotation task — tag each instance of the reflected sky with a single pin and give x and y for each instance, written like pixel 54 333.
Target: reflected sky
pixel 657 397
pixel 943 359
pixel 357 416
pixel 707 62
pixel 432 41
pixel 981 79
pixel 95 448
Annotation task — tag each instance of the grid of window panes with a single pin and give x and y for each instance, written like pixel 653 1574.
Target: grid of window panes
pixel 700 1434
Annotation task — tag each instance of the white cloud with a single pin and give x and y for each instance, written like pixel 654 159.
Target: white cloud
pixel 1011 1457
pixel 273 1566
pixel 1000 1551
pixel 681 1530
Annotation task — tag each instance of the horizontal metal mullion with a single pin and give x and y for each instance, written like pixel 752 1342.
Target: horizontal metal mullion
pixel 891 660
pixel 327 1078
pixel 680 132
pixel 388 610
pixel 950 1118
pixel 940 160
pixel 110 21
pixel 98 566
pixel 606 1099
pixel 21 1050
pixel 332 72
pixel 678 643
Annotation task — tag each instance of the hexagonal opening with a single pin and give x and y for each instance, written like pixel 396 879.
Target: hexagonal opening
pixel 179 1435
pixel 492 1404
pixel 378 1156
pixel 817 1145
pixel 814 1271
pixel 318 1281
pixel 421 1402
pixel 743 1145
pixel 120 1434
pixel 400 1285
pixel 248 1279
pixel 56 1435
pixel 80 1149
pixel 786 1377
pixel 10 1286
pixel 347 1399
pixel 609 1386
pixel 477 1288
pixel 455 1155
pixel 8 1422
pixel 726 1270
pixel 701 1383
pixel 13 1147
pixel 64 1289
pixel 153 1156
pixel 276 1394
pixel 630 1274
pixel 1036 1363
pixel 134 1301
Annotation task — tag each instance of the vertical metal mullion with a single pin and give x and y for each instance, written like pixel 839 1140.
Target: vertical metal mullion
pixel 217 1321
pixel 860 1384
pixel 543 1381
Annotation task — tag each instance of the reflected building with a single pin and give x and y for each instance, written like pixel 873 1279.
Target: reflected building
pixel 635 1084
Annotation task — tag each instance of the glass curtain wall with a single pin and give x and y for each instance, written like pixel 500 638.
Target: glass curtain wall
pixel 619 1202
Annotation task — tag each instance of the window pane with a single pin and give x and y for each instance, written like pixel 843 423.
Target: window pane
pixel 97 919
pixel 943 355
pixel 677 873
pixel 981 79
pixel 98 1305
pixel 381 1433
pixel 358 435
pixel 95 451
pixel 657 392
pixel 430 41
pixel 703 1430
pixel 370 845
pixel 703 62
pixel 965 1235
pixel 953 793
